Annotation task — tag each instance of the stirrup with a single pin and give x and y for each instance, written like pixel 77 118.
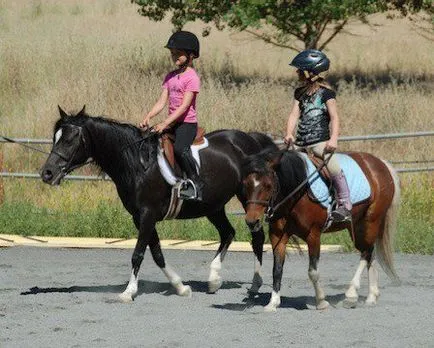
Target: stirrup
pixel 341 214
pixel 188 191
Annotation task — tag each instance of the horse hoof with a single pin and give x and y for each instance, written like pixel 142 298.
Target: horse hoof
pixel 322 305
pixel 185 291
pixel 126 297
pixel 371 301
pixel 350 302
pixel 270 308
pixel 214 285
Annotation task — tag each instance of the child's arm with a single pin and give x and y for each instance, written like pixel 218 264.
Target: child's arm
pixel 332 144
pixel 294 115
pixel 156 109
pixel 186 102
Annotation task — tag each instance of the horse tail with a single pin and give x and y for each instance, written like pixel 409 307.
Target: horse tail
pixel 263 139
pixel 384 244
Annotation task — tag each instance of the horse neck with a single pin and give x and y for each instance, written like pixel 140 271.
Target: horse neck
pixel 115 149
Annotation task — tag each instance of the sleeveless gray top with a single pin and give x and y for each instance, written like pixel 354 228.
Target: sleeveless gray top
pixel 313 124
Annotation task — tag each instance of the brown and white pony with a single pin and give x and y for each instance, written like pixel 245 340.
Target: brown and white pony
pixel 271 177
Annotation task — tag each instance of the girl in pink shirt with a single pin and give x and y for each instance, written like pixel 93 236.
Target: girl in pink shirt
pixel 180 89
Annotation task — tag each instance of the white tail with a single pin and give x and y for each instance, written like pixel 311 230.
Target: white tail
pixel 384 244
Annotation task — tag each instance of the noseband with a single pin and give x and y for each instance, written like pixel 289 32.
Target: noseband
pixel 270 202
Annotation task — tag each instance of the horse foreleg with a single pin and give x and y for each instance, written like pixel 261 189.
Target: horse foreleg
pixel 172 276
pixel 278 242
pixel 227 233
pixel 258 239
pixel 314 246
pixel 139 251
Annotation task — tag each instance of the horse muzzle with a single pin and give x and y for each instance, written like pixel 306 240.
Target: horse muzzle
pixel 254 225
pixel 51 177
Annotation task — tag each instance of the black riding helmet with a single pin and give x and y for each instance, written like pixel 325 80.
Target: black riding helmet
pixel 313 61
pixel 185 41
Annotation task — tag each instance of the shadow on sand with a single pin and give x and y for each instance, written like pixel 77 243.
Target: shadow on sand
pixel 145 287
pixel 298 303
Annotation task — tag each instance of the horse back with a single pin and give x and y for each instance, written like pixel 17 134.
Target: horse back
pixel 379 177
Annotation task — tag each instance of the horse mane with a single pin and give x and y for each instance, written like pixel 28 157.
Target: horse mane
pixel 289 167
pixel 261 162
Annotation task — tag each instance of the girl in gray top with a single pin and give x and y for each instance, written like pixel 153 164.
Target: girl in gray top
pixel 316 113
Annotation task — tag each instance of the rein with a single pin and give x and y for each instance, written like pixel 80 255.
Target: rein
pixel 63 169
pixel 272 209
pixel 24 145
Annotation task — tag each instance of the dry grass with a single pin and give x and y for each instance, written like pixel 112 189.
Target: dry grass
pixel 103 54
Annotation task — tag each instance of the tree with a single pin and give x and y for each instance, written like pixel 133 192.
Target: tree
pixel 283 23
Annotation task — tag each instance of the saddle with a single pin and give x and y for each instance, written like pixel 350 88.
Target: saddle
pixel 318 162
pixel 167 140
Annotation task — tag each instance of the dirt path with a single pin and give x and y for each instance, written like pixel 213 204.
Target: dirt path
pixel 68 298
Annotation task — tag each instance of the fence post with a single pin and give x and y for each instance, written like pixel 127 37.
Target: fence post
pixel 2 189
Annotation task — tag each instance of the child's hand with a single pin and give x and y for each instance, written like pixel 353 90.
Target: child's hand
pixel 289 139
pixel 331 146
pixel 159 128
pixel 144 123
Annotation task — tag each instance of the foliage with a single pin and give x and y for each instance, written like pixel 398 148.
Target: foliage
pixel 282 23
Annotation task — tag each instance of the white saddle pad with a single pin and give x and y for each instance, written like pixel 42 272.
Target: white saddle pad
pixel 167 171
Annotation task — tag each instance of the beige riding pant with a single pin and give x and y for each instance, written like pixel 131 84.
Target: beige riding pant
pixel 318 150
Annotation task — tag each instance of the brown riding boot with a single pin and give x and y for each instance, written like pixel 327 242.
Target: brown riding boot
pixel 344 206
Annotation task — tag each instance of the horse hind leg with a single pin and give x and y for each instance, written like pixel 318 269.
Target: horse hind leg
pixel 227 233
pixel 374 292
pixel 351 295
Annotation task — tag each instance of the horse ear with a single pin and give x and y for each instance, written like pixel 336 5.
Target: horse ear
pixel 82 111
pixel 63 114
pixel 274 162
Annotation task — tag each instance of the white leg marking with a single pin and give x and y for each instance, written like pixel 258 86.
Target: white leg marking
pixel 131 290
pixel 257 278
pixel 321 303
pixel 371 300
pixel 274 302
pixel 175 280
pixel 351 294
pixel 214 280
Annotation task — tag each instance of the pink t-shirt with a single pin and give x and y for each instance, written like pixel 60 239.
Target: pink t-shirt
pixel 178 84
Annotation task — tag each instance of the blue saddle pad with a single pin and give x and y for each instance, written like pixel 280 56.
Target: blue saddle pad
pixel 360 189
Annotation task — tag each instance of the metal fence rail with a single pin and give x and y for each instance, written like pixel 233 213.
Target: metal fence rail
pixel 278 142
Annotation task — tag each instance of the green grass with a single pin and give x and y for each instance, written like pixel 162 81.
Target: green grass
pixel 64 211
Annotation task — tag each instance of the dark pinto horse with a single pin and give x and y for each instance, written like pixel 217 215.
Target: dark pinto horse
pixel 271 177
pixel 129 157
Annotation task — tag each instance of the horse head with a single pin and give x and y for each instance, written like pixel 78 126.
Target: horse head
pixel 69 149
pixel 260 185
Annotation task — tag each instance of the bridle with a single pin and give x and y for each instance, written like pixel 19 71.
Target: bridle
pixel 273 196
pixel 67 168
pixel 269 204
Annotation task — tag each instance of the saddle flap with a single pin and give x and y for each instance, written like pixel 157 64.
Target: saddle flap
pixel 318 162
pixel 167 140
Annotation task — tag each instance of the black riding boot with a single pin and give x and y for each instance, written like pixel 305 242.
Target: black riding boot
pixel 188 165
